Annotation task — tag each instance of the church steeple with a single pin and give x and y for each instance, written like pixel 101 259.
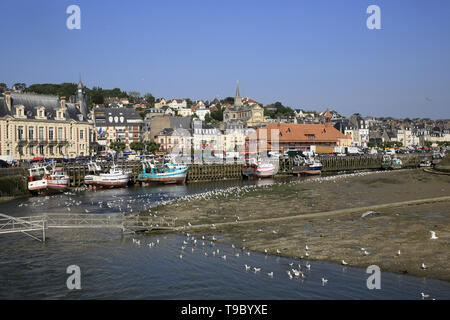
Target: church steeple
pixel 237 98
pixel 81 98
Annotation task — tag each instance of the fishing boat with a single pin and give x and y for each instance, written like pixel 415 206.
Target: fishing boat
pixel 260 169
pixel 115 178
pixel 396 163
pixel 46 179
pixel 425 163
pixel 307 166
pixel 386 162
pixel 94 174
pixel 167 173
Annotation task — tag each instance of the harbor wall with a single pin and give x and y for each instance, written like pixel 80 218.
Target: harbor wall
pixel 213 172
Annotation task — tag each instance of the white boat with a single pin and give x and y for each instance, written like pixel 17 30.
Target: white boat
pixel 259 168
pixel 44 179
pixel 116 177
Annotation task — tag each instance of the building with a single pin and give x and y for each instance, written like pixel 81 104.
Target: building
pixel 285 136
pixel 33 125
pixel 185 112
pixel 117 124
pixel 251 115
pixel 159 103
pixel 177 141
pixel 177 104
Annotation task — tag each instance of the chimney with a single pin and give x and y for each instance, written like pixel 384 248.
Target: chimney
pixel 8 100
pixel 63 102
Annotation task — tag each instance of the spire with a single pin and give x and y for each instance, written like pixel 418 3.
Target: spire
pixel 80 84
pixel 237 98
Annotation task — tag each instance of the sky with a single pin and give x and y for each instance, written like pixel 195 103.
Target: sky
pixel 310 54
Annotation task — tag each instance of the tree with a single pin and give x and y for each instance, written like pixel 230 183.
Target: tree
pixel 137 146
pixel 118 146
pixel 217 115
pixel 150 99
pixel 134 94
pixel 208 118
pixel 152 146
pixel 227 100
pixel 3 87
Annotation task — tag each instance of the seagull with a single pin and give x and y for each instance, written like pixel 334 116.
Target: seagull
pixel 291 264
pixel 344 263
pixel 306 248
pixel 206 254
pixel 308 266
pixel 366 253
pixel 398 252
pixel 189 224
pixel 270 274
pixel 181 256
pixel 433 235
pixel 278 251
pixel 424 295
pixel 224 257
pixel 423 266
pixel 265 251
pixel 307 254
pixel 236 254
pixel 289 274
pixel 247 267
pixel 256 269
pixel 324 281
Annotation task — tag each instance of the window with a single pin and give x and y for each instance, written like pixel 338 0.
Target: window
pixel 82 134
pixel 41 133
pixel 31 133
pixel 41 150
pixel 50 134
pixel 20 132
pixel 31 150
pixel 50 149
pixel 60 134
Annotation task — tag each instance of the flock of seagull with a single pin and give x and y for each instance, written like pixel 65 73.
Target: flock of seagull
pixel 147 203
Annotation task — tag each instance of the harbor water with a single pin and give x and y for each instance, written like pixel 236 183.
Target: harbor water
pixel 113 266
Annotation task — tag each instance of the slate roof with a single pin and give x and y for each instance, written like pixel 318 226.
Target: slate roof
pixel 32 102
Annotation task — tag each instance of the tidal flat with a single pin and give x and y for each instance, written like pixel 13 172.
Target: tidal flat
pixel 326 215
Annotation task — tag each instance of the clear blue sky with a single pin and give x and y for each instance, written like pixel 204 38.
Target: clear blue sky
pixel 309 54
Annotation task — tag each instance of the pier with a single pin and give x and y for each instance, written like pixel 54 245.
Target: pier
pixel 41 223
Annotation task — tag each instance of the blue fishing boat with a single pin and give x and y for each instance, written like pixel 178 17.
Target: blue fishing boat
pixel 166 173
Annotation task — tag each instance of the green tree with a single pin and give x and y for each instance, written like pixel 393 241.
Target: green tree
pixel 150 99
pixel 217 115
pixel 117 146
pixel 137 146
pixel 152 146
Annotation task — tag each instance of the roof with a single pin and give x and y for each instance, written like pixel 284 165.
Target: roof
pixel 32 102
pixel 290 132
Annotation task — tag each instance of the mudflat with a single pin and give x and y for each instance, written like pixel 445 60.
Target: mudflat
pixel 326 214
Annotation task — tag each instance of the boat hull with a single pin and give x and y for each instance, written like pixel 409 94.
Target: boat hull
pixel 177 176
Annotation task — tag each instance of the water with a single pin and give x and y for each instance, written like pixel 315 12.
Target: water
pixel 113 267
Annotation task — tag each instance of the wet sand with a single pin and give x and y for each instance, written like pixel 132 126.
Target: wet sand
pixel 332 233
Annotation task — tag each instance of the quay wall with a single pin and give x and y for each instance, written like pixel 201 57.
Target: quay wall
pixel 207 172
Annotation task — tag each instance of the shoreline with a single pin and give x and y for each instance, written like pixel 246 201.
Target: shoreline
pixel 287 216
